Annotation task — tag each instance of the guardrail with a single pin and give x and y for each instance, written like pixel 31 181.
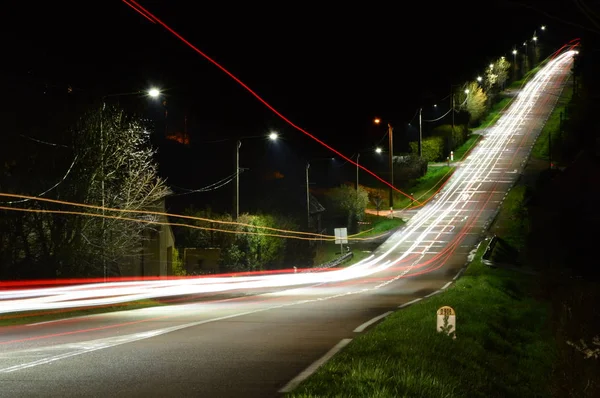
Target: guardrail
pixel 488 252
pixel 332 263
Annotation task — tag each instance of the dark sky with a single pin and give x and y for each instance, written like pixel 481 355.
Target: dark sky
pixel 329 68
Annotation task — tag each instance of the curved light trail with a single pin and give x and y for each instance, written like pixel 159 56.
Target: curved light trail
pixel 409 252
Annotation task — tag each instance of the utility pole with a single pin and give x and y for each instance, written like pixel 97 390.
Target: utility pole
pixel 451 131
pixel 237 178
pixel 357 158
pixel 391 159
pixel 102 239
pixel 307 198
pixel 420 133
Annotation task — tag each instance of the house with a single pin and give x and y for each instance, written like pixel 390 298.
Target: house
pixel 155 257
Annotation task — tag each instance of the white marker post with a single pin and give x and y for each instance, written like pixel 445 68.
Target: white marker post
pixel 446 321
pixel 341 237
pixel 452 156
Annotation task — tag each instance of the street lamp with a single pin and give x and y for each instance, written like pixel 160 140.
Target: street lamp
pixel 273 136
pixel 154 93
pixel 378 150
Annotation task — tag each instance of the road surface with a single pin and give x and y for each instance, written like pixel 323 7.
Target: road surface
pixel 264 343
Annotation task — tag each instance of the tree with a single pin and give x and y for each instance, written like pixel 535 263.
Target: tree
pixel 116 166
pixel 453 136
pixel 432 147
pixel 347 202
pixel 474 100
pixel 248 247
pixel 497 75
pixel 376 197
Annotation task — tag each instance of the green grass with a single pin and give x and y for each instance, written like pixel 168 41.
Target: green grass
pixel 461 152
pixel 494 113
pixel 424 187
pixel 552 127
pixel 29 317
pixel 377 225
pixel 374 226
pixel 503 348
pixel 519 83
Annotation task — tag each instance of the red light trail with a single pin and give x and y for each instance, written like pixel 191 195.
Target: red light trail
pixel 151 17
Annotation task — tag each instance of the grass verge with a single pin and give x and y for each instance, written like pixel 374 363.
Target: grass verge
pixel 502 348
pixel 29 317
pixel 373 226
pixel 462 151
pixel 494 113
pixel 551 129
pixel 424 187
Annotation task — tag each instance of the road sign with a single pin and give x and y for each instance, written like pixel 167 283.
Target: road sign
pixel 446 321
pixel 341 235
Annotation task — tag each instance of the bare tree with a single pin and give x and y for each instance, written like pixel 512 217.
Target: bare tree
pixel 116 167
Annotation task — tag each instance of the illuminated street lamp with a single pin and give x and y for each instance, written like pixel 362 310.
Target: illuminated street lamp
pixel 154 92
pixel 479 79
pixel 378 150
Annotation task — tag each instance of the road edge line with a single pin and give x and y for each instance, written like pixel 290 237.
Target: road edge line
pixel 292 384
pixel 372 321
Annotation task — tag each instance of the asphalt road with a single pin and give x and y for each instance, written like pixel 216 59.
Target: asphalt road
pixel 259 345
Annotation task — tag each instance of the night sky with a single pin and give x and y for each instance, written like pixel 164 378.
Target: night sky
pixel 329 69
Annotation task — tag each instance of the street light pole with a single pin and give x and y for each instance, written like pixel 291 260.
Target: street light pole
pixel 237 178
pixel 307 197
pixel 420 133
pixel 102 187
pixel 391 159
pixel 357 158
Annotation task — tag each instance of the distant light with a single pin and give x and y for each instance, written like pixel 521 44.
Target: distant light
pixel 435 105
pixel 524 43
pixel 479 78
pixel 534 38
pixel 576 52
pixel 491 66
pixel 514 52
pixel 467 91
pixel 543 27
pixel 273 136
pixel 378 150
pixel 377 120
pixel 154 92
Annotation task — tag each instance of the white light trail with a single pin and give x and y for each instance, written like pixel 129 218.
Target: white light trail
pixel 445 211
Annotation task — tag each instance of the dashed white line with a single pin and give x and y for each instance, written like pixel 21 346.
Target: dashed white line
pixel 315 365
pixel 372 321
pixel 446 285
pixel 409 303
pixel 458 274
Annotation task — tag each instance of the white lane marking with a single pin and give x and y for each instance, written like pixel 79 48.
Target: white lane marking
pixel 372 321
pixel 446 285
pixel 434 293
pixel 43 323
pixel 458 274
pixel 292 384
pixel 410 302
